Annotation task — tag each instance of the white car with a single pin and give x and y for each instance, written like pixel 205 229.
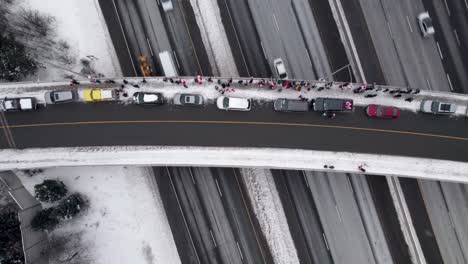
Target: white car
pixel 425 24
pixel 167 5
pixel 436 107
pixel 233 103
pixel 18 104
pixel 280 68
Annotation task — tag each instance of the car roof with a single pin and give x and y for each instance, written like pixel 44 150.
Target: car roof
pixel 238 102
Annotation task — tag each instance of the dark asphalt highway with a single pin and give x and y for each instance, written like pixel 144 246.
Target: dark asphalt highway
pixel 170 125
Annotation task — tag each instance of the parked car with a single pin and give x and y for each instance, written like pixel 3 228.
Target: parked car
pixel 18 104
pixel 97 94
pixel 437 107
pixel 188 99
pixel 289 105
pixel 425 24
pixel 57 97
pixel 382 111
pixel 167 5
pixel 280 69
pixel 144 98
pixel 233 103
pixel 333 104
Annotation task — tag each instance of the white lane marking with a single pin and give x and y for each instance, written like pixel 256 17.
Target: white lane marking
pixel 326 241
pixel 466 5
pixel 191 175
pixel 450 82
pixel 177 60
pixel 440 51
pixel 263 49
pixel 212 238
pixel 339 214
pixel 276 22
pixel 308 56
pixel 428 84
pixel 149 45
pixel 456 37
pixel 217 186
pixel 446 7
pixel 409 24
pixel 389 30
pixel 240 251
pixel 305 179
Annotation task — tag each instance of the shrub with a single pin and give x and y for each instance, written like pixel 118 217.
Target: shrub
pixel 70 206
pixel 50 191
pixel 46 219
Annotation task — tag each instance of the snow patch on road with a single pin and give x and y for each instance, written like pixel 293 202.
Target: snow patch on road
pixel 125 221
pixel 270 214
pixel 214 37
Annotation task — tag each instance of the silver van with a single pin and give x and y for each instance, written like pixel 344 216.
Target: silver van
pixel 290 105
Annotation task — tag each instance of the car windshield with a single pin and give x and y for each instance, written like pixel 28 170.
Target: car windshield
pixel 379 111
pixel 395 111
pixel 226 102
pixel 283 75
pixel 52 97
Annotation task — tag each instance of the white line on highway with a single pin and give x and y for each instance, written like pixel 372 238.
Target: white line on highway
pixel 240 251
pixel 276 22
pixel 389 30
pixel 191 175
pixel 440 51
pixel 183 215
pixel 305 179
pixel 446 7
pixel 217 186
pixel 429 84
pixel 326 241
pixel 212 238
pixel 456 37
pixel 308 56
pixel 177 61
pixel 125 38
pixel 263 49
pixel 339 214
pixel 409 24
pixel 450 82
pixel 466 5
pixel 149 45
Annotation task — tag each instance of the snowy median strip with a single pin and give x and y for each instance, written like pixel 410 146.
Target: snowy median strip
pixel 236 157
pixel 249 88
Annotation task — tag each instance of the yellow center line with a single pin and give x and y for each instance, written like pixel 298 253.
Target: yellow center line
pixel 103 122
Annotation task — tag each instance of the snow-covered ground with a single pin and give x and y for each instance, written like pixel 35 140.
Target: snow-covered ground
pixel 81 24
pixel 125 222
pixel 270 214
pixel 236 157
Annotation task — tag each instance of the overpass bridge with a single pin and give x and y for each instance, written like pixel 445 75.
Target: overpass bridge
pixel 415 145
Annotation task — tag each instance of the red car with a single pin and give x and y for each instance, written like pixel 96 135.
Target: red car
pixel 382 111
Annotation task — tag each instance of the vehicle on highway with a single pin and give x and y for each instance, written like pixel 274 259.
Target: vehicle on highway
pixel 280 69
pixel 97 94
pixel 233 103
pixel 382 111
pixel 57 97
pixel 167 5
pixel 18 104
pixel 186 99
pixel 168 65
pixel 437 107
pixel 425 24
pixel 290 105
pixel 333 105
pixel 145 67
pixel 144 98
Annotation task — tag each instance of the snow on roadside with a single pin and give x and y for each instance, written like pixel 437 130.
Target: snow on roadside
pixel 214 37
pixel 253 91
pixel 274 158
pixel 125 222
pixel 270 214
pixel 82 25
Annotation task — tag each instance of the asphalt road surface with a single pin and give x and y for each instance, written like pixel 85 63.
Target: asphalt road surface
pixel 213 222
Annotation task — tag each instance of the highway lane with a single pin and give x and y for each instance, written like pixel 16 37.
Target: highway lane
pixel 220 227
pixel 302 216
pixel 309 132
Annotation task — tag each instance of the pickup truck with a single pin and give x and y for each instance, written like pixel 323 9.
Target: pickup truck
pixel 97 94
pixel 333 105
pixel 18 104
